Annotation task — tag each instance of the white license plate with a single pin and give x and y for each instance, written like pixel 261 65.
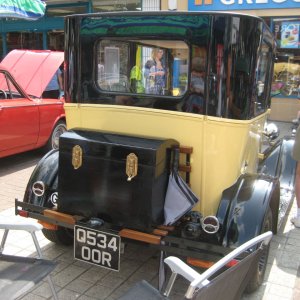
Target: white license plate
pixel 97 247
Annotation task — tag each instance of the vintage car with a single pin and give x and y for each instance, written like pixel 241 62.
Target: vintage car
pixel 109 179
pixel 26 120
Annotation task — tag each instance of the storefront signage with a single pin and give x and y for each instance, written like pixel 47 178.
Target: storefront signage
pixel 287 34
pixel 211 5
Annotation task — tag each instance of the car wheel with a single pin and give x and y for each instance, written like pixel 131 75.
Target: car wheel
pixel 53 142
pixel 61 236
pixel 258 275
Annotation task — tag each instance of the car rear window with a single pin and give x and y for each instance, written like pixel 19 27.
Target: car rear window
pixel 151 67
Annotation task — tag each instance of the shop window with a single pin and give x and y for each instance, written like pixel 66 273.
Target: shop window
pixel 125 5
pixel 66 9
pixel 151 5
pixel 286 80
pixel 55 40
pixel 142 67
pixel 24 40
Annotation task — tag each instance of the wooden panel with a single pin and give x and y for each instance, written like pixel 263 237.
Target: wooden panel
pixel 140 236
pixel 160 232
pixel 184 168
pixel 186 149
pixel 59 216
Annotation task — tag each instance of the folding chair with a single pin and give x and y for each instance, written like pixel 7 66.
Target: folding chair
pixel 218 282
pixel 18 274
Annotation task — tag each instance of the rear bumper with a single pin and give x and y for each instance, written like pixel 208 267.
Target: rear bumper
pixel 40 213
pixel 162 238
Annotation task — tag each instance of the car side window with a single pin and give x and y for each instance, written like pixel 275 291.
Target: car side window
pixel 8 90
pixel 3 86
pixel 262 77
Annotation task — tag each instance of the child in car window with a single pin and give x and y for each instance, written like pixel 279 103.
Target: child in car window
pixel 195 102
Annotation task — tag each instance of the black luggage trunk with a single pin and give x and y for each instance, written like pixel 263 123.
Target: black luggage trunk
pixel 99 187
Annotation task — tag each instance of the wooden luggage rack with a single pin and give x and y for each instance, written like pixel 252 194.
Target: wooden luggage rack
pixel 162 230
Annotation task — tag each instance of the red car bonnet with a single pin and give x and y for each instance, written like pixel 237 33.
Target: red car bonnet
pixel 33 69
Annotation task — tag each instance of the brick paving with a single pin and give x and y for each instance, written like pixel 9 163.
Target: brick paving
pixel 76 280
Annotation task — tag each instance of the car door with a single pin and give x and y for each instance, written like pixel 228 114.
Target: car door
pixel 19 118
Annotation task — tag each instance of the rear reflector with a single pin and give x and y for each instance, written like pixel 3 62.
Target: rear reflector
pixel 23 213
pixel 232 263
pixel 48 225
pixel 199 263
pixel 207 264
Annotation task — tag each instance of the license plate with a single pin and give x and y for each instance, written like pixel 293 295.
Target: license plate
pixel 97 247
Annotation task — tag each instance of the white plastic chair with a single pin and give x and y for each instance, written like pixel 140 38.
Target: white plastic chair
pixel 219 282
pixel 18 274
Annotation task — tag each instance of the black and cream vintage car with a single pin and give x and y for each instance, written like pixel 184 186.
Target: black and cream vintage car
pixel 149 96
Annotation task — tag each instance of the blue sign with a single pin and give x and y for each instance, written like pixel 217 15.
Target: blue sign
pixel 217 5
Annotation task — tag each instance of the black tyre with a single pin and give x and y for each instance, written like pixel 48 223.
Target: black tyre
pixel 61 236
pixel 53 142
pixel 258 276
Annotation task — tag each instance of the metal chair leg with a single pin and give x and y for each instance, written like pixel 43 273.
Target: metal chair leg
pixel 3 240
pixel 39 251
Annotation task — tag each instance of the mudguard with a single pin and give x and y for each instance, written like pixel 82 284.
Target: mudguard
pixel 243 208
pixel 288 165
pixel 46 171
pixel 278 162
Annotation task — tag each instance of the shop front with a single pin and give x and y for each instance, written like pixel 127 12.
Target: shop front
pixel 283 17
pixel 286 83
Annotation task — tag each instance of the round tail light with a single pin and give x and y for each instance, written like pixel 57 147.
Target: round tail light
pixel 210 224
pixel 38 188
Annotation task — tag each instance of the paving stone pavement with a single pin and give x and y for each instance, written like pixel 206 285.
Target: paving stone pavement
pixel 77 280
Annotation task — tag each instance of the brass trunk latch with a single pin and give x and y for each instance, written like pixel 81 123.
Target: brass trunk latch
pixel 77 157
pixel 131 166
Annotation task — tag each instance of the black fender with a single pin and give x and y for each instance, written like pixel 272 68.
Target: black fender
pixel 46 171
pixel 243 208
pixel 278 162
pixel 288 165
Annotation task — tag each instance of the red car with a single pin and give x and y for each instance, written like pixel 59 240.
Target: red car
pixel 26 120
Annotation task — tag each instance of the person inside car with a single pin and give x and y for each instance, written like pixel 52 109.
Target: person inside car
pixel 54 87
pixel 155 73
pixel 195 101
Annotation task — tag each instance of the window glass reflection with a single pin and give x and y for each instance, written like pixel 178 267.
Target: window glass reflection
pixel 195 102
pixel 262 78
pixel 143 67
pixel 234 73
